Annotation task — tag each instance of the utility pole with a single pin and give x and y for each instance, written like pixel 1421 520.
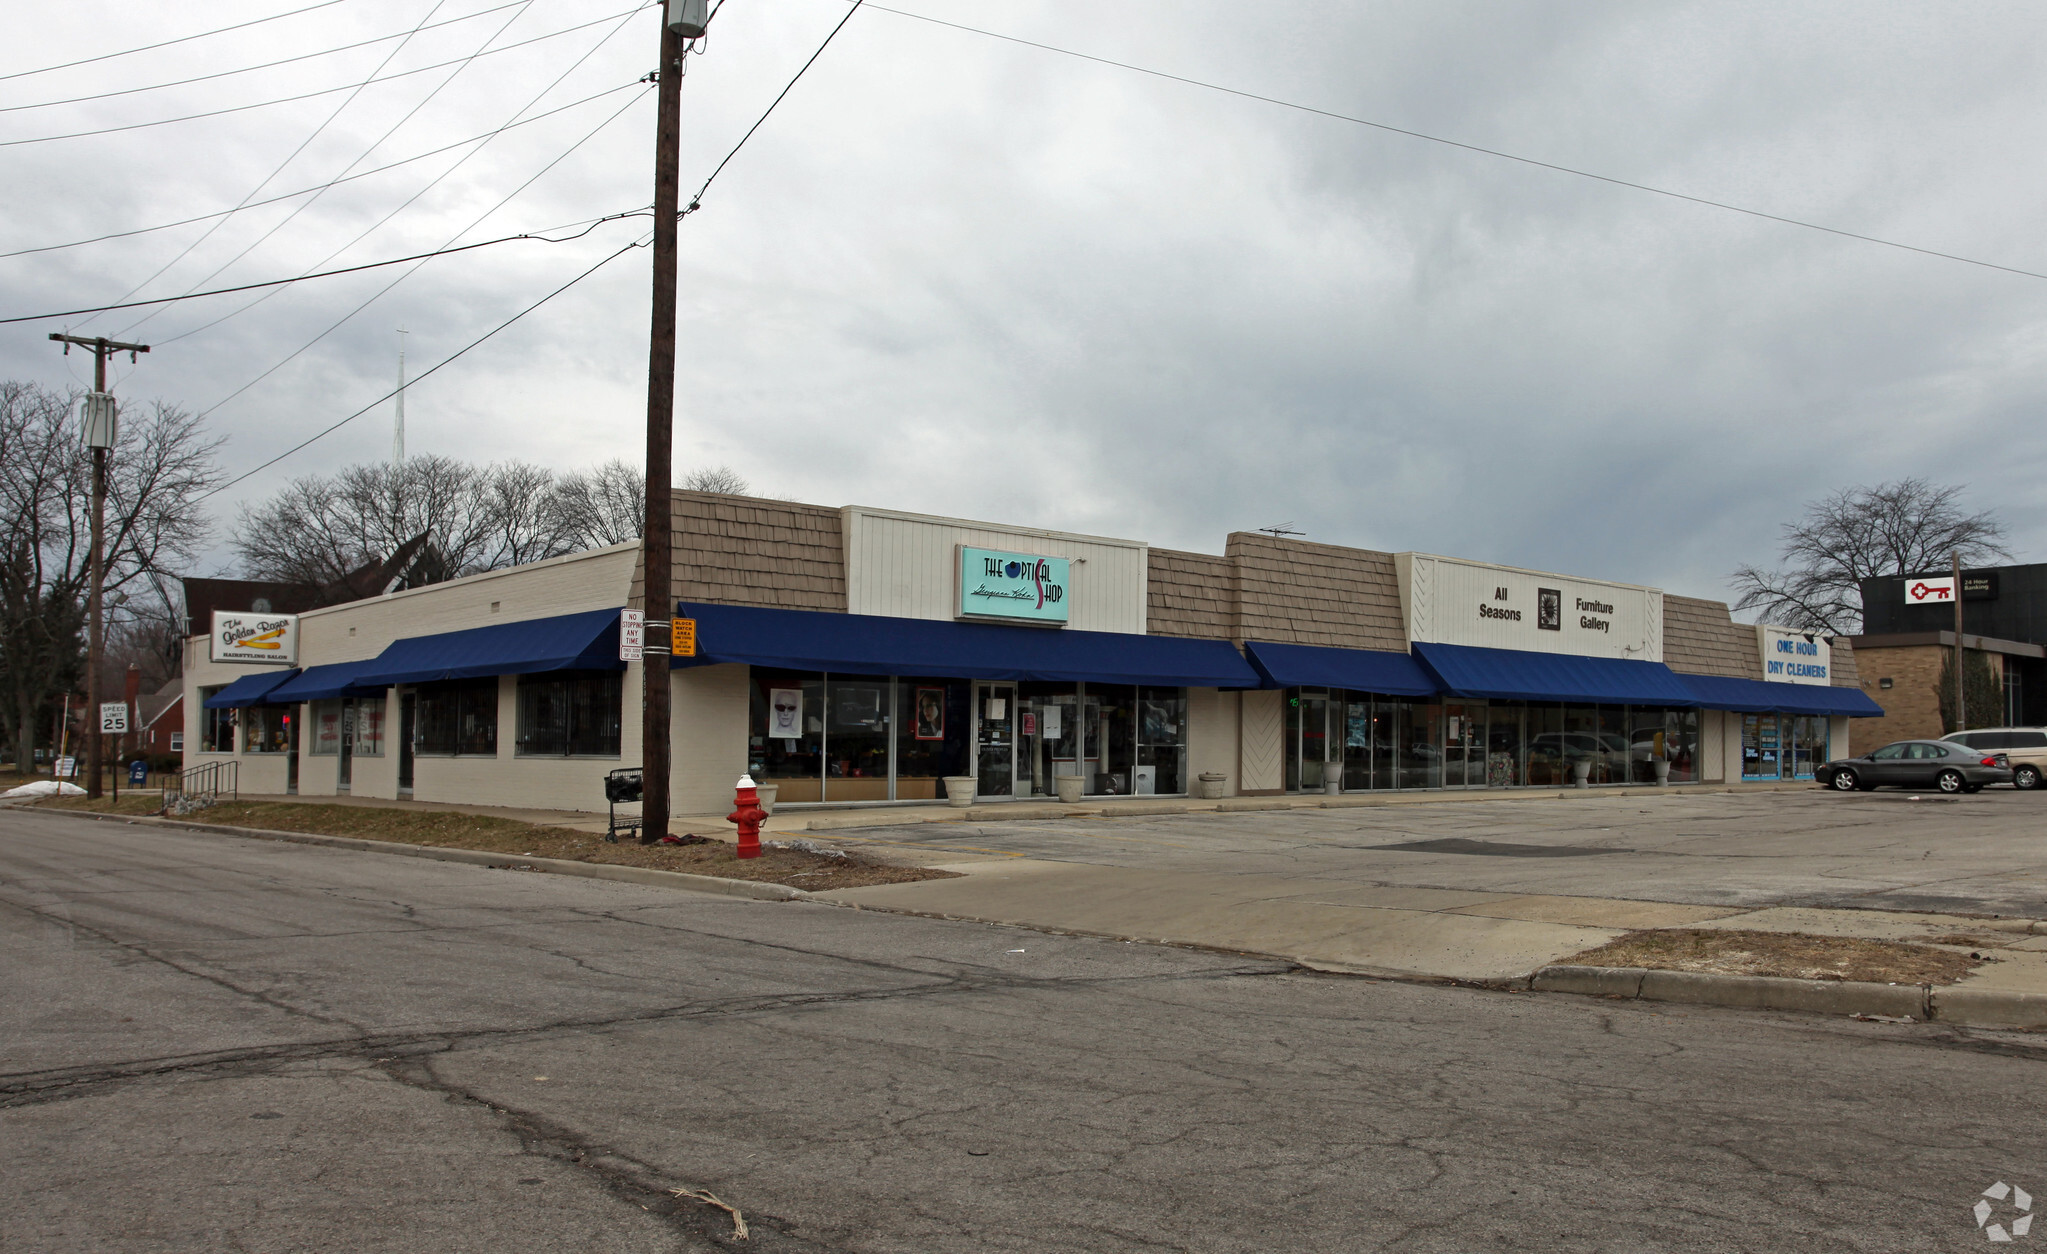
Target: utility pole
pixel 100 435
pixel 398 431
pixel 682 21
pixel 1961 688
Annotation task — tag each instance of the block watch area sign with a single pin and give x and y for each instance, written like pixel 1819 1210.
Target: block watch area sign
pixel 1013 587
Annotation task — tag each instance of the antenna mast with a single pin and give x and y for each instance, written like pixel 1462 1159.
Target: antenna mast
pixel 398 431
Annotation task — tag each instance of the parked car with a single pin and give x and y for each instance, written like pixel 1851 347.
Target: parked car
pixel 1936 764
pixel 2025 746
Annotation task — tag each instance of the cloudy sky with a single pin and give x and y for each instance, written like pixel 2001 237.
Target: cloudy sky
pixel 963 275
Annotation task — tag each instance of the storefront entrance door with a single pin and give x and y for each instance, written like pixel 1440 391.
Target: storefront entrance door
pixel 347 767
pixel 995 717
pixel 406 711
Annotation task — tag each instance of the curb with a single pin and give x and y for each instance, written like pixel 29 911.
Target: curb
pixel 1969 1007
pixel 755 890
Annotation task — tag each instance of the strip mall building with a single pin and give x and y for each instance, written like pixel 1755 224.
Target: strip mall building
pixel 861 656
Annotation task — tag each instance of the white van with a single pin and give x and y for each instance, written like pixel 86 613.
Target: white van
pixel 2025 746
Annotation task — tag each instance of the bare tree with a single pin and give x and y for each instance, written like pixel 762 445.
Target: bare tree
pixel 318 529
pixel 160 469
pixel 608 505
pixel 603 506
pixel 1901 528
pixel 721 479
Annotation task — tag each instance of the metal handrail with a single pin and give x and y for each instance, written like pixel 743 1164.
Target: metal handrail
pixel 207 781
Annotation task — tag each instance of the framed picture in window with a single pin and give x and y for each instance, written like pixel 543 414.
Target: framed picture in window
pixel 785 713
pixel 931 714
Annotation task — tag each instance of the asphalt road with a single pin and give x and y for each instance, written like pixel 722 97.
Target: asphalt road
pixel 1887 850
pixel 212 1043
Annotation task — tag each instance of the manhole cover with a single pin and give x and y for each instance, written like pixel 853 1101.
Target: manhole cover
pixel 1497 849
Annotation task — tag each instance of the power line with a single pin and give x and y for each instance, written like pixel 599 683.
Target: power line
pixel 328 274
pixel 312 95
pixel 271 200
pixel 183 39
pixel 330 429
pixel 1453 143
pixel 509 196
pixel 267 65
pixel 359 158
pixel 374 297
pixel 695 203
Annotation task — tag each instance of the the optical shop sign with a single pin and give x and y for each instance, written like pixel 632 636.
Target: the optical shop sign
pixel 1013 587
pixel 1451 601
pixel 1796 657
pixel 260 638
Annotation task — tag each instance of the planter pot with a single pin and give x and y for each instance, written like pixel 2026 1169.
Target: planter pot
pixel 1581 772
pixel 1069 789
pixel 959 790
pixel 767 795
pixel 1212 784
pixel 1332 784
pixel 1662 768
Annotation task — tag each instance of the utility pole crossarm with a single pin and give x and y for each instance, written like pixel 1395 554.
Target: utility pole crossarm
pixel 100 345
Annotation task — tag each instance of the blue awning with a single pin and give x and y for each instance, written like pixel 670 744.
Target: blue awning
pixel 322 683
pixel 869 644
pixel 1513 675
pixel 1757 696
pixel 1360 670
pixel 585 641
pixel 249 690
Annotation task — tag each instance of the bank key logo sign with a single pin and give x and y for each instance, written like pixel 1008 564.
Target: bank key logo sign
pixel 1013 587
pixel 1932 590
pixel 269 639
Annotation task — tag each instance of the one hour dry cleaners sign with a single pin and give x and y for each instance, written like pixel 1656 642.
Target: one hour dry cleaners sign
pixel 1795 657
pixel 1013 587
pixel 263 638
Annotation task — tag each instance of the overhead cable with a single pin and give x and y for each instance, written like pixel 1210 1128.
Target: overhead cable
pixel 358 159
pixel 182 39
pixel 695 203
pixel 328 274
pixel 1454 143
pixel 280 167
pixel 303 191
pixel 312 95
pixel 374 297
pixel 267 65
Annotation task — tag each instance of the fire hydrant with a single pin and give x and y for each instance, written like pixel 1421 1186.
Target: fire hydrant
pixel 748 817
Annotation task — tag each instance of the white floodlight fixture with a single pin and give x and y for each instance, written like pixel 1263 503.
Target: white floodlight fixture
pixel 689 18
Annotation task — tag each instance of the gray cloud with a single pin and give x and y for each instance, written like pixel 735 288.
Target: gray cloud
pixel 963 276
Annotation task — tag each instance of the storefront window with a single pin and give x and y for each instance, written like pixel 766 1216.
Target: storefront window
pixel 1161 740
pixel 934 718
pixel 1421 758
pixel 216 727
pixel 1546 757
pixel 369 727
pixel 856 739
pixel 1759 747
pixel 569 714
pixel 1808 745
pixel 1503 746
pixel 266 729
pixel 458 719
pixel 1357 741
pixel 326 728
pixel 786 743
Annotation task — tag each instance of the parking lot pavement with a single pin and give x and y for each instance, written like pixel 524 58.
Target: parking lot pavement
pixel 216 1043
pixel 1492 890
pixel 1979 854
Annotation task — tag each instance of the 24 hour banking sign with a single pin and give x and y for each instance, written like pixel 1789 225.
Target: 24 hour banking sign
pixel 1013 587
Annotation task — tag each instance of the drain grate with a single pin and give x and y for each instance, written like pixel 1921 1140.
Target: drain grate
pixel 1497 849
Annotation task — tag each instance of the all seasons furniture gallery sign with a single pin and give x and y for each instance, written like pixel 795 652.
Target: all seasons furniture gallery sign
pixel 1012 587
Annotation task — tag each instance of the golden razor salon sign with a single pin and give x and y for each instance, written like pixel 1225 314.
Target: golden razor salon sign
pixel 265 639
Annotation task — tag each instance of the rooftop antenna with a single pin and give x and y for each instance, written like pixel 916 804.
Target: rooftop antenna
pixel 1282 529
pixel 398 430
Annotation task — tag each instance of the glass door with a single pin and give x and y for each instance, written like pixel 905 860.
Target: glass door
pixel 1314 739
pixel 347 767
pixel 407 709
pixel 1464 745
pixel 995 739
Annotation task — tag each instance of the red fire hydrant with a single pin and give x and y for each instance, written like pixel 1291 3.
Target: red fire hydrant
pixel 748 816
